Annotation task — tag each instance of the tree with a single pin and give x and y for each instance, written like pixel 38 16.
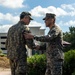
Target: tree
pixel 70 37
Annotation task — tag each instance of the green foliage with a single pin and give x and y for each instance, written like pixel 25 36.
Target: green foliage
pixel 70 37
pixel 69 62
pixel 73 73
pixel 36 65
pixel 1 53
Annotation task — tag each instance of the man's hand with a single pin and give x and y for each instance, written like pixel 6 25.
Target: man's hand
pixel 28 36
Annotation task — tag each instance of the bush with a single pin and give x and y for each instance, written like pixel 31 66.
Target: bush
pixel 73 73
pixel 69 63
pixel 1 53
pixel 37 65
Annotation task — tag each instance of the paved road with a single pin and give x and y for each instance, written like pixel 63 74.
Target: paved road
pixel 5 72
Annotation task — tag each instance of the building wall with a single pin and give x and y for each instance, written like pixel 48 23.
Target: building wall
pixel 3 37
pixel 35 31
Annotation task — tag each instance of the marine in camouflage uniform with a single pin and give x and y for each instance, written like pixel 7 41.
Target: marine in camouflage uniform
pixel 15 45
pixel 54 53
pixel 53 46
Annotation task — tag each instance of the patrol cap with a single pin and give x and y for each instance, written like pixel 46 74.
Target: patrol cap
pixel 26 14
pixel 49 15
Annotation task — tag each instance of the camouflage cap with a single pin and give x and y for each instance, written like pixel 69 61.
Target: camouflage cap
pixel 26 14
pixel 49 15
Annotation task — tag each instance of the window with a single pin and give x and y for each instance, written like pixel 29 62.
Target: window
pixel 3 48
pixel 2 42
pixel 3 37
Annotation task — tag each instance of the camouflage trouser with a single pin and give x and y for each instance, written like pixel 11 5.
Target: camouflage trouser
pixel 18 67
pixel 54 67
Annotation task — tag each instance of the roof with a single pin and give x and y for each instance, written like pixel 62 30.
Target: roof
pixel 66 43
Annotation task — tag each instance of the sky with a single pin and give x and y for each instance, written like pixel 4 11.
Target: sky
pixel 11 9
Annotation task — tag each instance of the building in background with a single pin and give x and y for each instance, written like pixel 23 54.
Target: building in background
pixel 36 30
pixel 3 37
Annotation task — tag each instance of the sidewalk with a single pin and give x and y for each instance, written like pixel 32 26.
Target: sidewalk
pixel 5 71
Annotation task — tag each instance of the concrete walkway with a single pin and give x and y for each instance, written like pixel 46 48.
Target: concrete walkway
pixel 5 71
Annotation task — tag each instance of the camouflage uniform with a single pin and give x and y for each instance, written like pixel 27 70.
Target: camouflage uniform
pixel 16 50
pixel 54 51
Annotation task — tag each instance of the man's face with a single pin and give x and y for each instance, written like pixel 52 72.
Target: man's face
pixel 27 20
pixel 49 21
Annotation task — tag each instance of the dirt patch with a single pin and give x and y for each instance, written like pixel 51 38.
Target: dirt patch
pixel 4 69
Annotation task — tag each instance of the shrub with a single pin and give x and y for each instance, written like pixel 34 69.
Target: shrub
pixel 69 62
pixel 37 65
pixel 73 73
pixel 1 53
